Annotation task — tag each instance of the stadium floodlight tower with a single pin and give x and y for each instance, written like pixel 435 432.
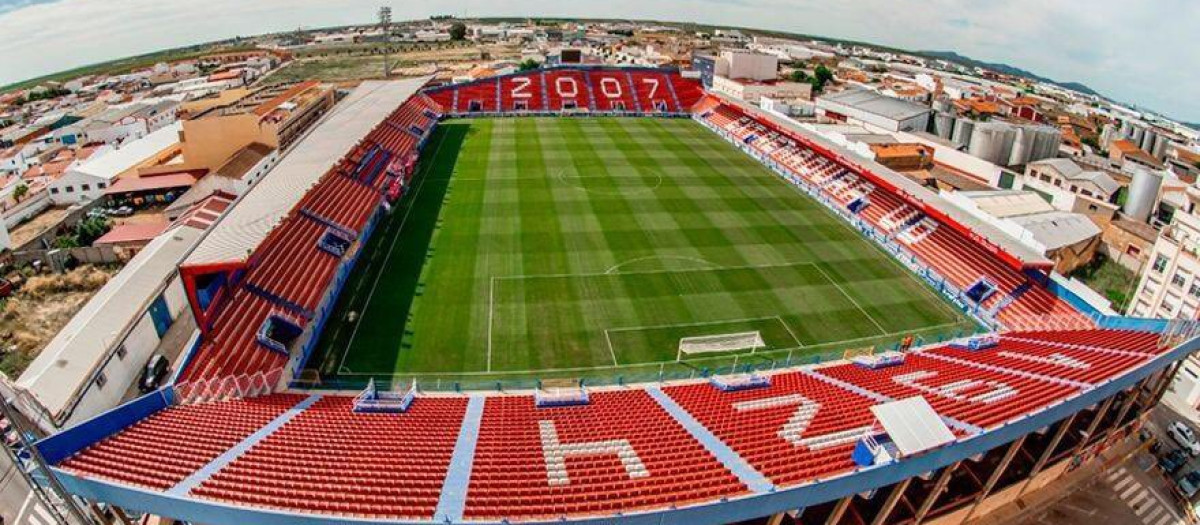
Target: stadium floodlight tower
pixel 385 25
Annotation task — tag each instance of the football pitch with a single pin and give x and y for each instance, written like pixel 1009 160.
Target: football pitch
pixel 567 244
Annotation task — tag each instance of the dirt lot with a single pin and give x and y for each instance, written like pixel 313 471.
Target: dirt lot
pixel 35 226
pixel 31 317
pixel 364 66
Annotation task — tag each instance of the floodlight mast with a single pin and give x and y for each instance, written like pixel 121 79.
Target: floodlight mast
pixel 385 25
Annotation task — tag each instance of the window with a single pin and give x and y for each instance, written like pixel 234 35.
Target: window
pixel 101 185
pixel 85 187
pixel 101 380
pixel 121 352
pixel 1160 263
pixel 70 189
pixel 54 191
pixel 1177 281
pixel 1194 291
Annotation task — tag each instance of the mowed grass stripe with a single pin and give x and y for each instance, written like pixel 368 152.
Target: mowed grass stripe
pixel 692 232
pixel 877 298
pixel 840 316
pixel 739 291
pixel 450 289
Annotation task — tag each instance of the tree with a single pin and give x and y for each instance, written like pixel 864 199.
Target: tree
pixel 458 31
pixel 798 76
pixel 821 76
pixel 20 191
pixel 528 64
pixel 90 229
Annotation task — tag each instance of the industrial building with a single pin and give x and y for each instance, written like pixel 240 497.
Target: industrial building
pixel 91 179
pixel 874 110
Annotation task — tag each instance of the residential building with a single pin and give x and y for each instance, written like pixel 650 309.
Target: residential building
pixel 753 91
pixel 274 116
pixel 1123 151
pixel 1071 188
pixel 1170 285
pixel 119 124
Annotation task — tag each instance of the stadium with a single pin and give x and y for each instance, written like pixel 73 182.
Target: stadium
pixel 605 295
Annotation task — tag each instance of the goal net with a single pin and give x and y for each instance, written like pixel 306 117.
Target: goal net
pixel 720 343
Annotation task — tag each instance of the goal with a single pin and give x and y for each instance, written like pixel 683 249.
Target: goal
pixel 719 343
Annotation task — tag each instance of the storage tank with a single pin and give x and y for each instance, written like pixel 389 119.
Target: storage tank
pixel 963 128
pixel 1143 194
pixel 1046 141
pixel 993 142
pixel 1022 146
pixel 943 125
pixel 1148 138
pixel 1159 149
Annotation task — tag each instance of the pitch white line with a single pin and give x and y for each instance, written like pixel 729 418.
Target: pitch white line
pixel 855 303
pixel 651 272
pixel 790 332
pixel 391 248
pixel 491 315
pixel 714 266
pixel 697 323
pixel 611 352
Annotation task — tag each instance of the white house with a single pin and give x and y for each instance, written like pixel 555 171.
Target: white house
pixel 88 180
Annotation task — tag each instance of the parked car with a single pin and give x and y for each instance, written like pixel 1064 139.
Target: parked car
pixel 123 211
pixel 1173 461
pixel 154 373
pixel 1184 435
pixel 1189 483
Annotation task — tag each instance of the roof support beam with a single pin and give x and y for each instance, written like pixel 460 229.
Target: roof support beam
pixel 938 488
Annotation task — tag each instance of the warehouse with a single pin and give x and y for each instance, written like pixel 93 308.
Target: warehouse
pixel 873 109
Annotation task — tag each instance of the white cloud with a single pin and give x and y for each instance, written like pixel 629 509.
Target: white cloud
pixel 1143 52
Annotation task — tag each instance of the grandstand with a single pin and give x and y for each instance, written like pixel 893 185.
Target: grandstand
pixel 234 439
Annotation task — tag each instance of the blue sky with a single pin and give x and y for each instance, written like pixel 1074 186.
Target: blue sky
pixel 1140 52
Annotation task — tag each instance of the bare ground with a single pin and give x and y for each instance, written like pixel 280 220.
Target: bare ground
pixel 32 316
pixel 37 225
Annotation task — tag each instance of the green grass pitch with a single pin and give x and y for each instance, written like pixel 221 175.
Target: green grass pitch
pixel 566 244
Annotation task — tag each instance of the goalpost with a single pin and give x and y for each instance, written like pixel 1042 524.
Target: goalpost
pixel 705 344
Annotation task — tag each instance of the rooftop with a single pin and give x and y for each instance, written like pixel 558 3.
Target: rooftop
pixel 133 232
pixel 113 163
pixel 877 104
pixel 1058 228
pixel 241 162
pixel 259 210
pixel 1008 203
pixel 1072 171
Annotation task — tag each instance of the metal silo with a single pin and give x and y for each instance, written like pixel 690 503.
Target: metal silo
pixel 993 142
pixel 1143 194
pixel 963 129
pixel 943 125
